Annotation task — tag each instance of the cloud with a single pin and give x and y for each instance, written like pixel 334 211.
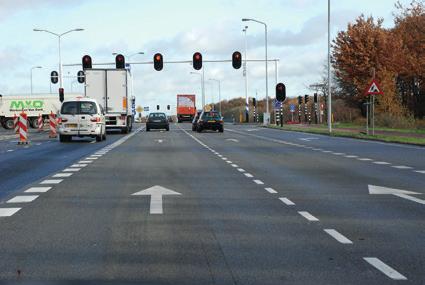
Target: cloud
pixel 9 7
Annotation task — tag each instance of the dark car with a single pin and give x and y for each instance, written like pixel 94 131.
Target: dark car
pixel 195 120
pixel 210 120
pixel 157 121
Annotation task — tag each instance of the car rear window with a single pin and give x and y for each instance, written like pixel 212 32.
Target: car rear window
pixel 157 116
pixel 211 116
pixel 79 108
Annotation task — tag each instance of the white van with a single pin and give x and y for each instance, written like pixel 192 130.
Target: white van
pixel 82 117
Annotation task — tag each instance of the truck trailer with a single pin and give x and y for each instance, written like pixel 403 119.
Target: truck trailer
pixel 32 105
pixel 186 108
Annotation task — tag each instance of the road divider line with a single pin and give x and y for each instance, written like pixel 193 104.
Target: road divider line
pixel 420 171
pixel 287 202
pixel 384 268
pixel 23 199
pixel 259 182
pixel 308 216
pixel 270 190
pixel 249 175
pixel 51 181
pixel 78 165
pixel 71 169
pixel 241 170
pixel 91 158
pixel 339 237
pixel 59 175
pixel 401 167
pixel 381 162
pixel 351 156
pixel 235 165
pixel 85 161
pixel 229 162
pixel 7 212
pixel 364 159
pixel 38 190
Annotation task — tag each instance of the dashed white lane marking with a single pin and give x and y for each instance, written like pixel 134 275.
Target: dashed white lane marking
pixel 235 165
pixel 308 216
pixel 78 165
pixel 23 199
pixel 339 237
pixel 91 158
pixel 401 167
pixel 248 175
pixel 270 190
pixel 219 155
pixel 51 181
pixel 259 182
pixel 241 170
pixel 229 162
pixel 9 150
pixel 381 162
pixel 420 171
pixel 59 175
pixel 38 190
pixel 338 153
pixel 387 270
pixel 7 212
pixel 224 158
pixel 96 155
pixel 364 159
pixel 351 156
pixel 71 169
pixel 326 151
pixel 286 201
pixel 85 161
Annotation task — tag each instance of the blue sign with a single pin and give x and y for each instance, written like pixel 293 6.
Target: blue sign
pixel 276 104
pixel 292 108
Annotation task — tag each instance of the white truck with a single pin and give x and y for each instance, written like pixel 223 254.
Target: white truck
pixel 111 89
pixel 35 105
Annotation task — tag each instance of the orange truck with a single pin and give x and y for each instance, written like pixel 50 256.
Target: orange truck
pixel 186 108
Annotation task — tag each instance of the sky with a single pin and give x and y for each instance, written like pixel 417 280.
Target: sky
pixel 297 36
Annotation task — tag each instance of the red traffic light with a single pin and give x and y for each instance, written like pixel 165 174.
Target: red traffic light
pixel 197 60
pixel 120 61
pixel 61 94
pixel 280 92
pixel 236 60
pixel 158 62
pixel 87 63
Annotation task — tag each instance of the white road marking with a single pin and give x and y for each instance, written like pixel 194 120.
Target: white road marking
pixel 248 175
pixel 91 158
pixel 59 175
pixel 38 190
pixel 401 167
pixel 287 201
pixel 270 190
pixel 241 170
pixel 420 171
pixel 379 190
pixel 23 199
pixel 235 165
pixel 259 182
pixel 51 181
pixel 387 270
pixel 224 158
pixel 233 140
pixel 364 159
pixel 381 162
pixel 351 156
pixel 229 162
pixel 92 141
pixel 85 161
pixel 326 151
pixel 338 153
pixel 9 150
pixel 308 216
pixel 156 193
pixel 78 165
pixel 96 155
pixel 7 212
pixel 339 237
pixel 71 169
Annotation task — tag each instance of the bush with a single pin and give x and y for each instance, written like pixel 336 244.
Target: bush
pixel 420 124
pixel 393 121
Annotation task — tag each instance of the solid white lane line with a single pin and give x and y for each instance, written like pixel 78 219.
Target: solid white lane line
pixel 59 175
pixel 85 161
pixel 339 237
pixel 23 199
pixel 51 181
pixel 71 169
pixel 287 201
pixel 364 159
pixel 248 175
pixel 381 162
pixel 38 190
pixel 235 165
pixel 78 165
pixel 420 171
pixel 401 167
pixel 259 182
pixel 387 270
pixel 270 190
pixel 7 212
pixel 241 170
pixel 308 216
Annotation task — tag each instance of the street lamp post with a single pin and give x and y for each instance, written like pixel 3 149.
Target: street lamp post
pixel 245 73
pixel 59 44
pixel 32 68
pixel 329 70
pixel 267 79
pixel 219 92
pixel 202 85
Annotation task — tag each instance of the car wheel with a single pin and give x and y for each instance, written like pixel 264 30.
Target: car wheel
pixel 63 138
pixel 147 129
pixel 199 130
pixel 167 129
pixel 104 135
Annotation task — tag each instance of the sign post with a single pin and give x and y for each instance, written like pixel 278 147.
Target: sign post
pixel 373 90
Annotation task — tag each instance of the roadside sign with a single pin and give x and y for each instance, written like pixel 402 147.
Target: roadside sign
pixel 292 108
pixel 374 89
pixel 276 104
pixel 146 109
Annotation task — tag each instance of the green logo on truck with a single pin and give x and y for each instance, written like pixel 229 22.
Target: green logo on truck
pixel 26 104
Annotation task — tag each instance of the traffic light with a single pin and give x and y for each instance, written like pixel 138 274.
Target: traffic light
pixel 54 77
pixel 120 61
pixel 197 60
pixel 254 102
pixel 300 100
pixel 80 76
pixel 315 97
pixel 157 107
pixel 61 94
pixel 280 92
pixel 158 63
pixel 306 99
pixel 237 60
pixel 87 62
pixel 168 107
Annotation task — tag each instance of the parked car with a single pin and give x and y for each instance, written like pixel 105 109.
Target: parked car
pixel 82 117
pixel 195 120
pixel 210 120
pixel 157 121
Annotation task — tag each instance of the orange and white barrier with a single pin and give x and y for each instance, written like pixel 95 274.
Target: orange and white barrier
pixel 52 123
pixel 16 123
pixel 40 123
pixel 23 128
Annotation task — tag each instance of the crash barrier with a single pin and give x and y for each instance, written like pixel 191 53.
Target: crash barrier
pixel 53 124
pixel 23 128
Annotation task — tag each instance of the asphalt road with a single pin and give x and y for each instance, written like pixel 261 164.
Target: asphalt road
pixel 252 206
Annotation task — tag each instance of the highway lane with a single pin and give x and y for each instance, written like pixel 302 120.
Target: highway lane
pixel 224 228
pixel 335 190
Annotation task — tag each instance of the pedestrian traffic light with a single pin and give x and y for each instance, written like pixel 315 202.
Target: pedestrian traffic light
pixel 80 76
pixel 280 92
pixel 306 99
pixel 254 102
pixel 197 60
pixel 54 77
pixel 237 60
pixel 87 62
pixel 158 63
pixel 300 100
pixel 61 95
pixel 120 61
pixel 315 97
pixel 168 107
pixel 157 107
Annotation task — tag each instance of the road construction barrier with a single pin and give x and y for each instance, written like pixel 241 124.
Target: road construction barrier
pixel 40 123
pixel 53 123
pixel 23 128
pixel 16 123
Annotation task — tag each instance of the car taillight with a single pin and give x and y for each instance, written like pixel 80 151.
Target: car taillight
pixel 220 121
pixel 95 120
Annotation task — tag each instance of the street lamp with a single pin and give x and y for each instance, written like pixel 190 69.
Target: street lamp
pixel 329 70
pixel 59 41
pixel 202 85
pixel 219 91
pixel 267 78
pixel 245 74
pixel 32 68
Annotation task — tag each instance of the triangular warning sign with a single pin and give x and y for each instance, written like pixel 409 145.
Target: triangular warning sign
pixel 374 89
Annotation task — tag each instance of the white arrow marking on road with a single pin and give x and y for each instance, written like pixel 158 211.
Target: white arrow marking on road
pixel 156 192
pixel 233 140
pixel 159 141
pixel 378 190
